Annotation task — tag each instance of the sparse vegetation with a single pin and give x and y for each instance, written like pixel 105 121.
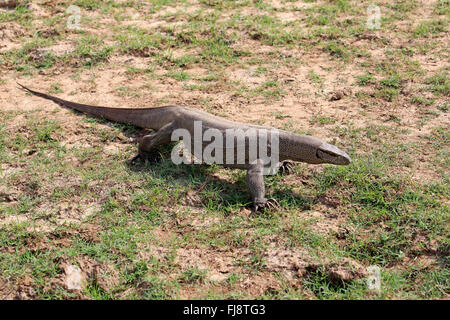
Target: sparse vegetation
pixel 161 231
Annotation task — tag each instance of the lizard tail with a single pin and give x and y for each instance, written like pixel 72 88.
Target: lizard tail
pixel 131 116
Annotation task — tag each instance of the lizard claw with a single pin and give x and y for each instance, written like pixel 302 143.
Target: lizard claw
pixel 145 157
pixel 287 167
pixel 133 140
pixel 270 204
pixel 134 159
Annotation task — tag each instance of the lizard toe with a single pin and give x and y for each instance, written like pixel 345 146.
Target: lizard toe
pixel 272 204
pixel 134 159
pixel 146 157
pixel 269 204
pixel 287 167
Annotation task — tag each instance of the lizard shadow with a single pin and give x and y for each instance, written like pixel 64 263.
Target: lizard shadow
pixel 216 191
pixel 212 190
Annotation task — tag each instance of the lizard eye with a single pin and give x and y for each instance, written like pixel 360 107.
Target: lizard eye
pixel 331 154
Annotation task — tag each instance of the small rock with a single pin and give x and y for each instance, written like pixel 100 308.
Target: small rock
pixel 28 281
pixel 32 6
pixel 342 233
pixel 217 277
pixel 111 149
pixel 347 270
pixel 338 95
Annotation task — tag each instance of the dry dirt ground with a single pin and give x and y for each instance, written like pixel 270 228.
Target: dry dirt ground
pixel 160 231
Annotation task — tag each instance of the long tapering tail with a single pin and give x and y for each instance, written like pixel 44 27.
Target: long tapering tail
pixel 134 116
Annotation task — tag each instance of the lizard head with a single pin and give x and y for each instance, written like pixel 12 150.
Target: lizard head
pixel 312 150
pixel 331 154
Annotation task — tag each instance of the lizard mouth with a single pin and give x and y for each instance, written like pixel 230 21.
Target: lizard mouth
pixel 332 156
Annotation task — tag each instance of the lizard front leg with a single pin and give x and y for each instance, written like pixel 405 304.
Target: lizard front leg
pixel 255 183
pixel 148 144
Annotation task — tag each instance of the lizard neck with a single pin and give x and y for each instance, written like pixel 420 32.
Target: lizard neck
pixel 298 147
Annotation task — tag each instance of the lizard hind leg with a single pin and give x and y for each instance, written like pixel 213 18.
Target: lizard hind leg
pixel 148 145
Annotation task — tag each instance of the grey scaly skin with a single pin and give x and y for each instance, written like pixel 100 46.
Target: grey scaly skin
pixel 164 120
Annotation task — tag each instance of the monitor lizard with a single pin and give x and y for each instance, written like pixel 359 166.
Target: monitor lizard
pixel 164 120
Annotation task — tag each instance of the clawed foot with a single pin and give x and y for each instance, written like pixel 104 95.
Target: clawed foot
pixel 286 167
pixel 145 157
pixel 269 204
pixel 138 138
